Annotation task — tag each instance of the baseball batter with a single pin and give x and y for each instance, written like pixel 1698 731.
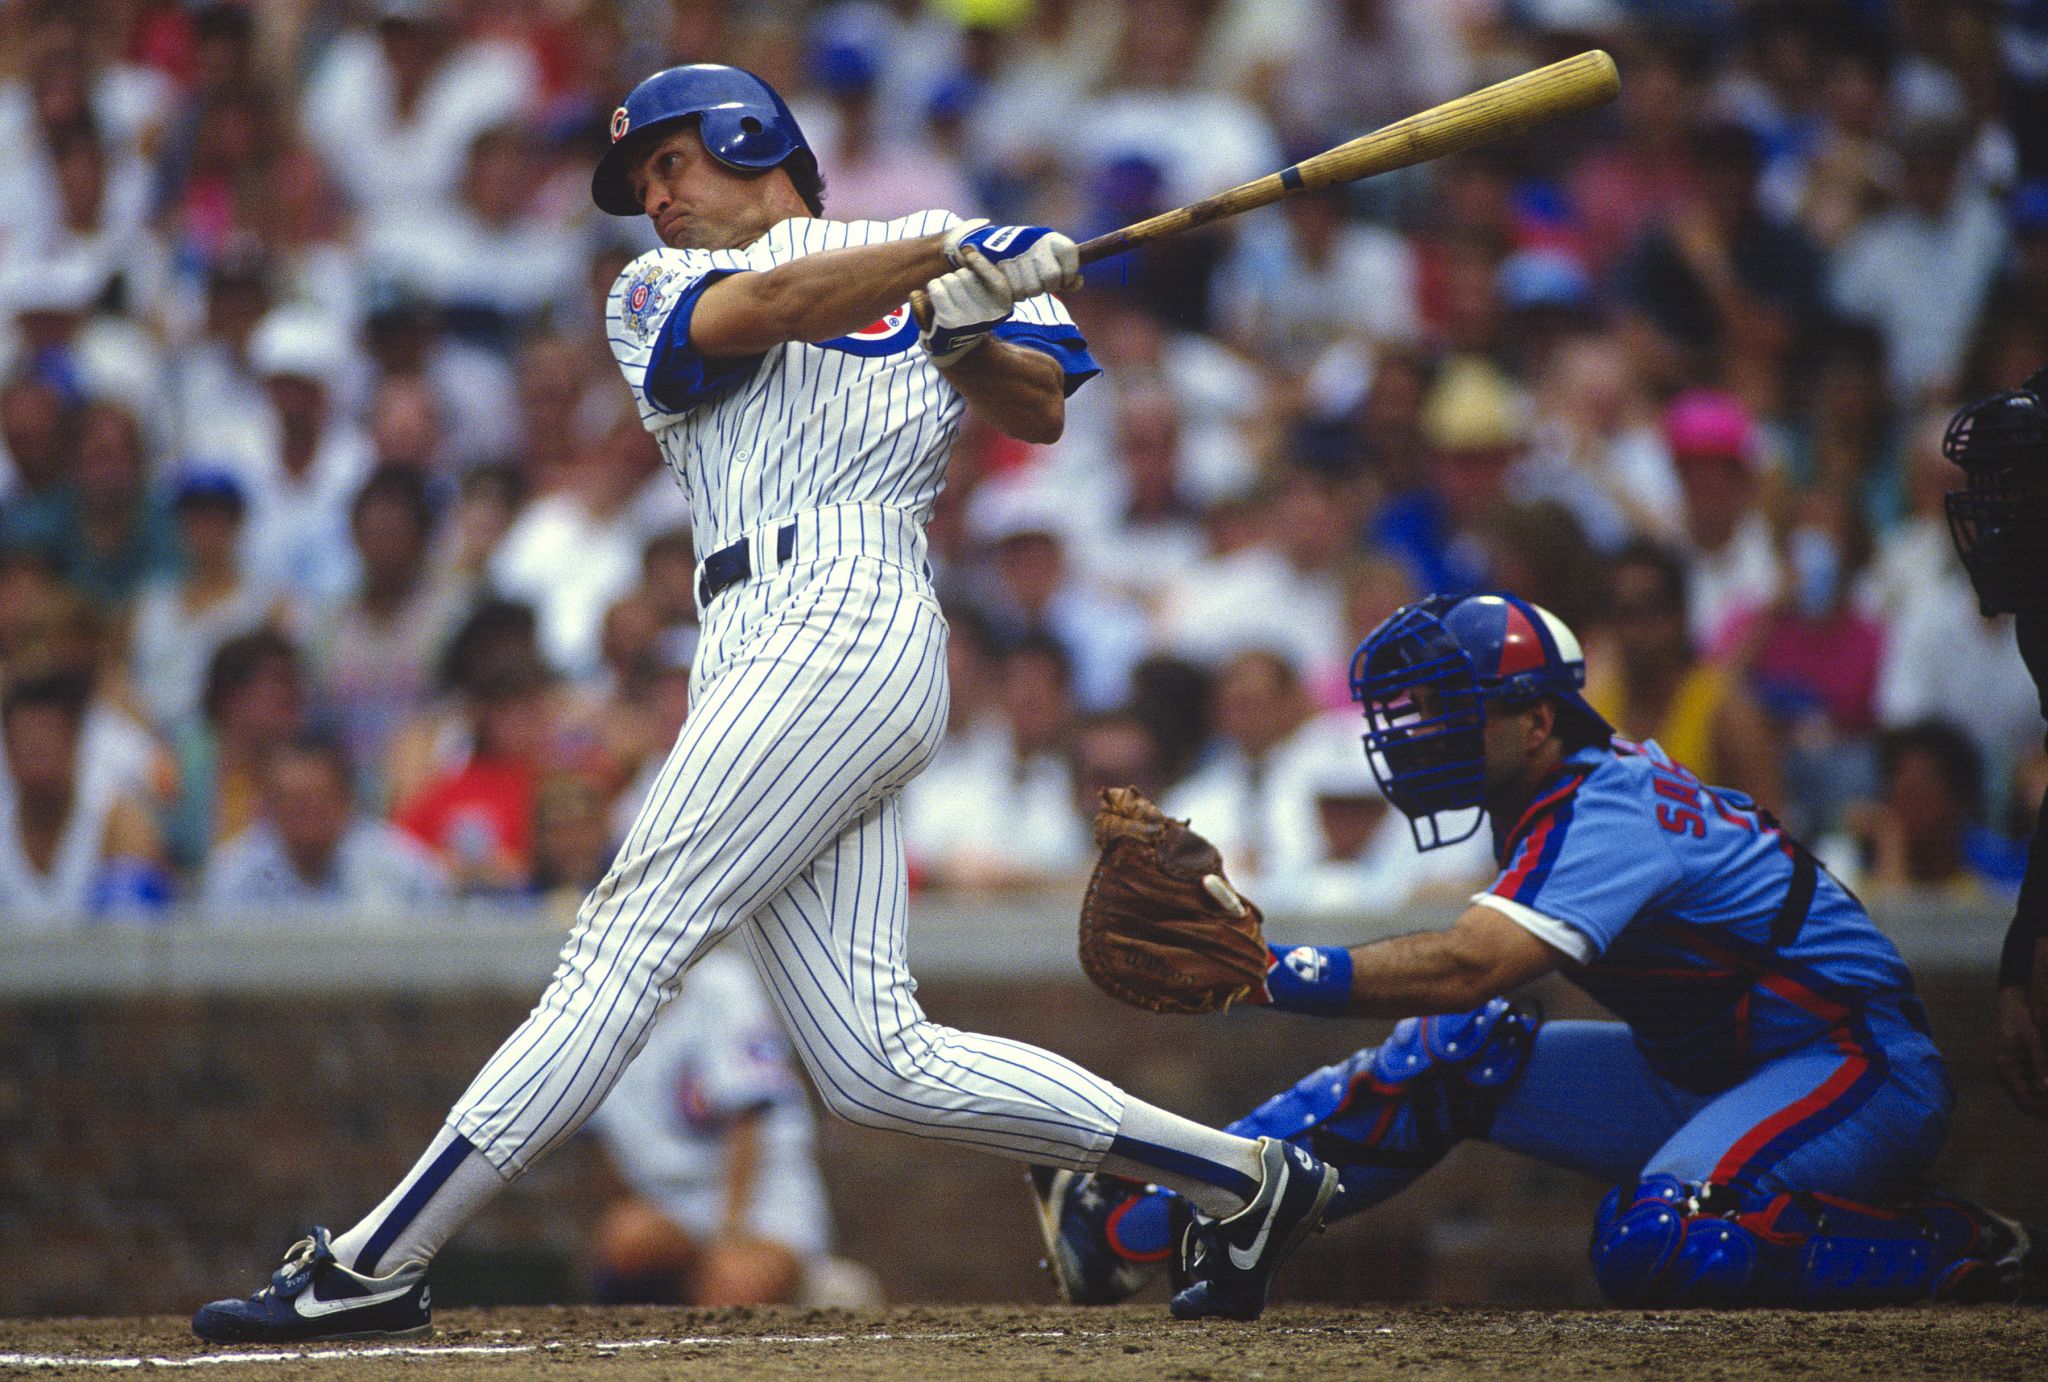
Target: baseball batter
pixel 809 416
pixel 1769 1103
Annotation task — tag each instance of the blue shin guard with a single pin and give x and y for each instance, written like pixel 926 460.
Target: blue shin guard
pixel 1390 1112
pixel 1664 1243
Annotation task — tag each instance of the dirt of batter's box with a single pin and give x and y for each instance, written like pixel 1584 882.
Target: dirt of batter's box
pixel 1131 1342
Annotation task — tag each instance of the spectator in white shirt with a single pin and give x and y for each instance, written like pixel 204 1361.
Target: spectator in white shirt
pixel 1005 819
pixel 1344 850
pixel 393 111
pixel 1301 281
pixel 1284 592
pixel 490 265
pixel 572 554
pixel 75 843
pixel 1103 634
pixel 1882 273
pixel 311 463
pixel 179 624
pixel 1232 796
pixel 309 855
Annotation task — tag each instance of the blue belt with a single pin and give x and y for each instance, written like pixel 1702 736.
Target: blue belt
pixel 730 565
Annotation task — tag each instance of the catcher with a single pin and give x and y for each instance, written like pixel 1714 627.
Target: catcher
pixel 1769 1103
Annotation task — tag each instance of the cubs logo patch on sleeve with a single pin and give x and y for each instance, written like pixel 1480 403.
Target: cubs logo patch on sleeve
pixel 645 298
pixel 886 335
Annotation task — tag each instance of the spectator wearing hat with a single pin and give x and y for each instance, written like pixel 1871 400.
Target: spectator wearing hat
pixel 310 856
pixel 304 476
pixel 182 621
pixel 1731 559
pixel 67 333
pixel 877 173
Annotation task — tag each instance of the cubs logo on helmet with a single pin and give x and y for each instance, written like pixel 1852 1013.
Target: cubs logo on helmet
pixel 622 120
pixel 885 336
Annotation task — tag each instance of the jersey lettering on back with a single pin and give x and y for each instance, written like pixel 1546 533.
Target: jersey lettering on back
pixel 1668 890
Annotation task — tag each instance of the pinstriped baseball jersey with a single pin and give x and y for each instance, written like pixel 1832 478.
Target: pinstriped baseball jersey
pixel 861 418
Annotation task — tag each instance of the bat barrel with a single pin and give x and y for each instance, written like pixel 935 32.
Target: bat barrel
pixel 1548 93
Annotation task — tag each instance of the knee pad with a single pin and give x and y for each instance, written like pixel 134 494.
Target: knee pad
pixel 1665 1243
pixel 1433 1082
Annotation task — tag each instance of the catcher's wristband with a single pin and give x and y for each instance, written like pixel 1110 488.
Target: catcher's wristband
pixel 1312 979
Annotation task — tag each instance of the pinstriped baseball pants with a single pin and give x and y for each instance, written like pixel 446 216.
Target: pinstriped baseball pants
pixel 821 691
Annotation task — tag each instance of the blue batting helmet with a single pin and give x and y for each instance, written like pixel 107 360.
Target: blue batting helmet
pixel 1427 751
pixel 744 123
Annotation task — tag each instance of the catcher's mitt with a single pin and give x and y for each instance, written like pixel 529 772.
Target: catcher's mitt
pixel 1161 928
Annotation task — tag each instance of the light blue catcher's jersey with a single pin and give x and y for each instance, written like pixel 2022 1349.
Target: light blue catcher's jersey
pixel 861 418
pixel 1691 916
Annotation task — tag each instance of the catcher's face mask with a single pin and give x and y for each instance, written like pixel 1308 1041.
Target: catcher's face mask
pixel 1425 678
pixel 2000 521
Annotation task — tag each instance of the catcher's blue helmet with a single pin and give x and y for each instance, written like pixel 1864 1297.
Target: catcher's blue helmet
pixel 744 124
pixel 1428 752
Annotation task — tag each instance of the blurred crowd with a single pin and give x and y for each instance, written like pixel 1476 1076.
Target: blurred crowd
pixel 337 573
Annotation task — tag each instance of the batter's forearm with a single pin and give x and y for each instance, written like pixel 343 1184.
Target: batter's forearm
pixel 1014 388
pixel 813 298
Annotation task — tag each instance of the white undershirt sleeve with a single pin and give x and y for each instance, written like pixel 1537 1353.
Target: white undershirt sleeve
pixel 1558 935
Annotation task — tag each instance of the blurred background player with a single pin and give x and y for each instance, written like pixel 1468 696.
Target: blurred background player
pixel 711 1130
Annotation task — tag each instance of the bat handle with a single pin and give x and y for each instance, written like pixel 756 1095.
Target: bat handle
pixel 921 308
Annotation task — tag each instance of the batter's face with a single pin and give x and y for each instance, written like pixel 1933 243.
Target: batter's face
pixel 697 203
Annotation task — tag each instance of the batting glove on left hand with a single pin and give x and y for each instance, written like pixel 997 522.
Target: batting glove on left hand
pixel 967 304
pixel 1033 259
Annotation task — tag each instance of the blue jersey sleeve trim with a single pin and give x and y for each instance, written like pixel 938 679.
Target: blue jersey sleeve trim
pixel 679 377
pixel 1062 342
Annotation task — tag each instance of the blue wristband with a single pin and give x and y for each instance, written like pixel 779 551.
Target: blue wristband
pixel 1314 979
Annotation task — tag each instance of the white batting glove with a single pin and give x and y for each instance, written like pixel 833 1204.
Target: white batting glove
pixel 967 304
pixel 1034 260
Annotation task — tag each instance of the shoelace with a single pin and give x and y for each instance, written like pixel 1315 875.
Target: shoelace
pixel 298 1258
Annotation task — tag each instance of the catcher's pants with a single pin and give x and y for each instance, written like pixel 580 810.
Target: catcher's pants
pixel 820 691
pixel 1860 1114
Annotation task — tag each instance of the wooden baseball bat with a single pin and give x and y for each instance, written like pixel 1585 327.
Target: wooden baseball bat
pixel 1509 107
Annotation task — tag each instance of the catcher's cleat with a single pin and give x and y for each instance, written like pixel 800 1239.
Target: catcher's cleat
pixel 1077 1211
pixel 1229 1263
pixel 312 1296
pixel 2014 1270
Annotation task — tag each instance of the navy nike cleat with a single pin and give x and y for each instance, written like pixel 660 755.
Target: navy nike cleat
pixel 1229 1263
pixel 312 1296
pixel 1077 1212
